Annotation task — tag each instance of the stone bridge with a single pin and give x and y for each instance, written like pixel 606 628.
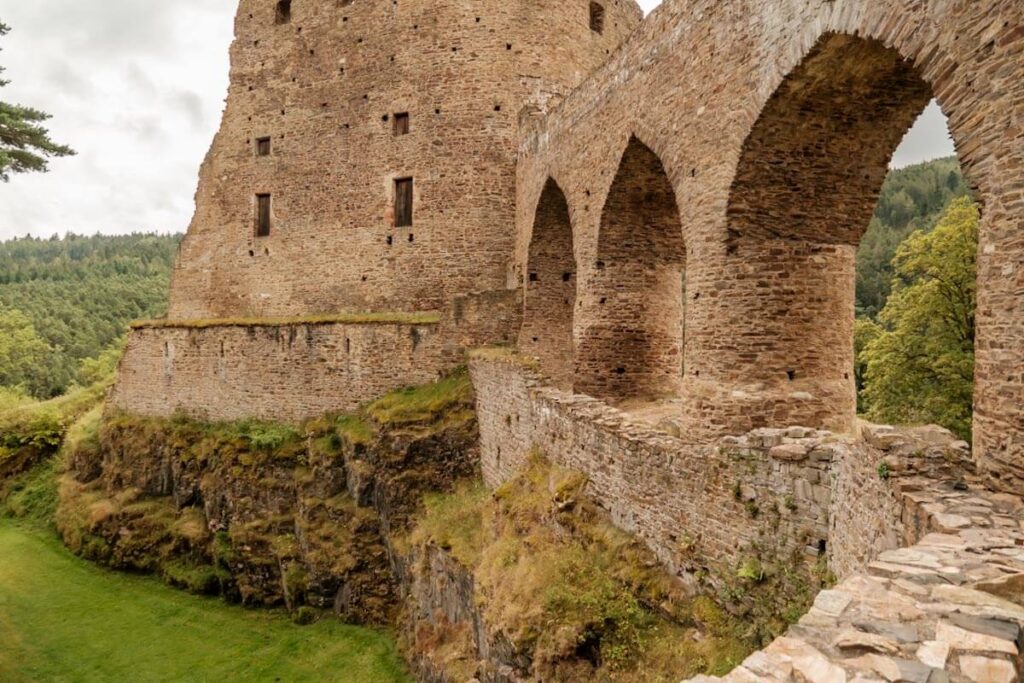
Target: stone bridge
pixel 711 182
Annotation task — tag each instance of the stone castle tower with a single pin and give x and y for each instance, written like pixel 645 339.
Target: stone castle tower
pixel 366 159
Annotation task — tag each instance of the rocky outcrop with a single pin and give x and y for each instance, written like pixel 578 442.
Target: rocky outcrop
pixel 259 516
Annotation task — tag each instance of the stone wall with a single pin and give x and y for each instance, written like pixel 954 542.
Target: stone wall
pixel 283 372
pixel 766 493
pixel 774 122
pixel 944 610
pixel 697 506
pixel 324 88
pixel 480 318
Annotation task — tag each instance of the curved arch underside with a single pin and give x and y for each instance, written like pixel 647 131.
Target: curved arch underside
pixel 779 118
pixel 631 322
pixel 550 288
pixel 814 163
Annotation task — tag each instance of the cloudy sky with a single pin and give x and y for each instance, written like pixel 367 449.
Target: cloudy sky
pixel 137 88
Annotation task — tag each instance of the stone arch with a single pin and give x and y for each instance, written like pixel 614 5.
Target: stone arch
pixel 549 288
pixel 630 323
pixel 806 185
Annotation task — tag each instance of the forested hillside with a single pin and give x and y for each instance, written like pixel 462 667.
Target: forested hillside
pixel 913 198
pixel 65 300
pixel 916 276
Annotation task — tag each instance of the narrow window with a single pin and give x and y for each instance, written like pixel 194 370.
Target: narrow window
pixel 403 202
pixel 596 17
pixel 284 11
pixel 263 147
pixel 402 124
pixel 263 215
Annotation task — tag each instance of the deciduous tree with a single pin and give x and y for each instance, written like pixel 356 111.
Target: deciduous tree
pixel 919 368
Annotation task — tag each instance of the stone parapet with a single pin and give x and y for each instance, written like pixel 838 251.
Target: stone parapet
pixel 945 609
pixel 282 371
pixel 698 507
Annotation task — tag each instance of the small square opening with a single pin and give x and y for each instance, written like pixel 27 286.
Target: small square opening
pixel 263 215
pixel 262 147
pixel 597 17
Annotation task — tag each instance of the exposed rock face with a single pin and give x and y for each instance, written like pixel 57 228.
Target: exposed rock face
pixel 266 526
pixel 314 521
pixel 447 637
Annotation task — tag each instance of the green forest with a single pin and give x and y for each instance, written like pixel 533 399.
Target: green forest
pixel 913 198
pixel 66 301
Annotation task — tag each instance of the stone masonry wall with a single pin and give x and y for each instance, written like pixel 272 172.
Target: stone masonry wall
pixel 697 506
pixel 276 372
pixel 946 609
pixel 771 490
pixel 325 86
pixel 775 121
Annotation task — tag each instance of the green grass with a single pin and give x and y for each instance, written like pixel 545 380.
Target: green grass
pixel 32 495
pixel 424 403
pixel 63 619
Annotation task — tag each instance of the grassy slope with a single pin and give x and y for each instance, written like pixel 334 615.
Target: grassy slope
pixel 64 619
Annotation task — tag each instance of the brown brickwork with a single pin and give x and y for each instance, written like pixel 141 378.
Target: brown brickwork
pixel 631 316
pixel 775 122
pixel 757 134
pixel 285 373
pixel 698 507
pixel 325 86
pixel 550 289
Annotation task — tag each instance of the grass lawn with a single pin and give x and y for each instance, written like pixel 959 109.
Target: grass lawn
pixel 63 619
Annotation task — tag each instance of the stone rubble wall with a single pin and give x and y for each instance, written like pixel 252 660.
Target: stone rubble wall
pixel 285 373
pixel 694 505
pixel 931 563
pixel 946 609
pixel 774 122
pixel 472 320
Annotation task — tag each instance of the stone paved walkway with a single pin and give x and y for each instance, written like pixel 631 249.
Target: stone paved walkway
pixel 946 609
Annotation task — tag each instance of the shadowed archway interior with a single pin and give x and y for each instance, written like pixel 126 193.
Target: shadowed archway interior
pixel 806 186
pixel 631 321
pixel 550 288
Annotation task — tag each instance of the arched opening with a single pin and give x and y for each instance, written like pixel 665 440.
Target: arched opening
pixel 631 323
pixel 549 290
pixel 805 190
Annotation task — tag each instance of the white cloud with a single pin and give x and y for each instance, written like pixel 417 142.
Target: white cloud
pixel 137 88
pixel 928 139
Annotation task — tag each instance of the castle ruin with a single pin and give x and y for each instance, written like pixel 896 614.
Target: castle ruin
pixel 661 216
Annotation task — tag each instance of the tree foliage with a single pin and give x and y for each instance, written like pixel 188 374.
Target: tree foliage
pixel 918 359
pixel 23 353
pixel 76 296
pixel 25 145
pixel 912 199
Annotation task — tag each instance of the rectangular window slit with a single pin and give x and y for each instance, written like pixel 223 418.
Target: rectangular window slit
pixel 262 147
pixel 402 123
pixel 403 202
pixel 284 12
pixel 596 17
pixel 263 215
